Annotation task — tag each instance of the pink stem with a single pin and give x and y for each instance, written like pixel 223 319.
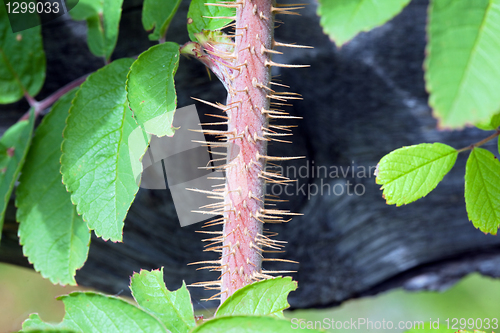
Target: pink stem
pixel 47 102
pixel 247 99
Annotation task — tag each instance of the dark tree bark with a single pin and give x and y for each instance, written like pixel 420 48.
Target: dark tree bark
pixel 360 102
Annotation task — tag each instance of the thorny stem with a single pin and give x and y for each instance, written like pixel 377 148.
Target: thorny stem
pixel 482 142
pixel 247 97
pixel 47 102
pixel 243 65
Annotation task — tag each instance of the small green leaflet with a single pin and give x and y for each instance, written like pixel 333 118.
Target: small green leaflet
pixel 491 124
pixel 97 313
pixel 482 190
pixel 151 88
pixel 103 20
pixel 251 324
pixel 268 297
pixel 462 72
pixel 54 238
pixel 17 139
pixel 96 163
pixel 157 14
pixel 172 308
pixel 410 173
pixel 22 61
pixel 199 17
pixel 344 19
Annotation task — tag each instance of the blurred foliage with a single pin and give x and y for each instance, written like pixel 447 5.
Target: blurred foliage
pixel 22 291
pixel 475 296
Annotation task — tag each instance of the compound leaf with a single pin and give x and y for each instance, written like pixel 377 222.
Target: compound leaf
pixel 158 14
pixel 103 20
pixel 344 19
pixel 151 88
pixel 249 324
pixel 93 312
pixel 482 190
pixel 98 158
pixel 17 140
pixel 54 238
pixel 199 17
pixel 172 308
pixel 462 71
pixel 22 61
pixel 410 173
pixel 266 297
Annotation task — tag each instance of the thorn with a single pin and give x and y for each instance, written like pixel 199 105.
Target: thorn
pixel 285 10
pixel 221 107
pixel 216 116
pixel 211 132
pixel 272 63
pixel 204 191
pixel 206 262
pixel 284 5
pixel 209 232
pixel 214 124
pixel 283 127
pixel 279 84
pixel 280 104
pixel 216 296
pixel 283 117
pixel 226 56
pixel 275 43
pixel 275 158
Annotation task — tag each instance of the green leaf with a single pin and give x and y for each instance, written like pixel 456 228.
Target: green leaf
pixel 410 173
pixel 22 61
pixel 344 19
pixel 158 14
pixel 151 88
pixel 482 190
pixel 17 139
pixel 34 323
pixel 260 298
pixel 250 324
pixel 97 313
pixel 97 166
pixel 54 238
pixel 103 20
pixel 172 308
pixel 462 72
pixel 4 156
pixel 198 22
pixel 491 124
